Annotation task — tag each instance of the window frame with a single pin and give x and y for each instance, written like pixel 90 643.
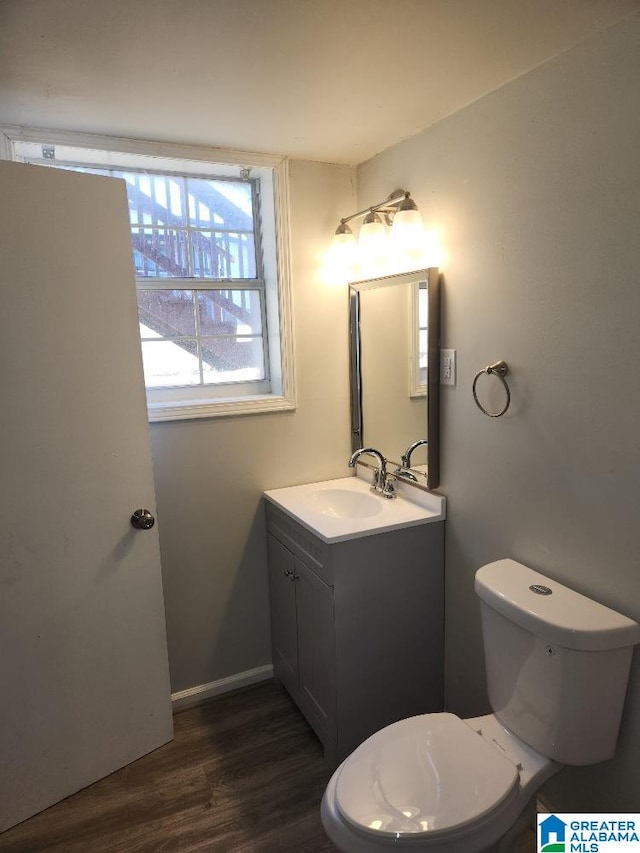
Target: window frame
pixel 417 387
pixel 273 244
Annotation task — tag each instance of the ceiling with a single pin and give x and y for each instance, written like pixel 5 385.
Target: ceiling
pixel 329 80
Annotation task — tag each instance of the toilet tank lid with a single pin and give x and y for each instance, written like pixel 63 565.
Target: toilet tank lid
pixel 563 616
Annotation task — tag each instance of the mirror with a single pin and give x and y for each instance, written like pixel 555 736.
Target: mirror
pixel 394 327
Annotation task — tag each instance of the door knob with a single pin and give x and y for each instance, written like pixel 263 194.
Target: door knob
pixel 142 519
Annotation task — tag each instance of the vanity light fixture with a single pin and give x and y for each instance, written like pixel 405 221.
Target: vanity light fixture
pixel 391 227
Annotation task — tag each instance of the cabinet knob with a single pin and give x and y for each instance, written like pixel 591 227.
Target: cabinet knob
pixel 287 572
pixel 294 576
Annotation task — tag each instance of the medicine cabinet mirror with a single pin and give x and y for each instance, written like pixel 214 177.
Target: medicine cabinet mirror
pixel 394 327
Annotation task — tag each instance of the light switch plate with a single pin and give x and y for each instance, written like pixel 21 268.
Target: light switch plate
pixel 447 367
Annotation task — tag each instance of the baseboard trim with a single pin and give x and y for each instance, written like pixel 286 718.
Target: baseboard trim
pixel 203 692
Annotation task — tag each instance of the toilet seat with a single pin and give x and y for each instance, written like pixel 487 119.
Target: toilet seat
pixel 426 776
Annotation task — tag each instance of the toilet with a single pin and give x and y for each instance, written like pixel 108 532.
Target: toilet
pixel 557 667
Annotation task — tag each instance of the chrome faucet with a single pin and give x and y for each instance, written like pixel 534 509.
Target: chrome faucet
pixel 406 456
pixel 382 482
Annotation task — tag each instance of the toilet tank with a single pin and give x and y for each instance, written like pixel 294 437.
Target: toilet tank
pixel 557 662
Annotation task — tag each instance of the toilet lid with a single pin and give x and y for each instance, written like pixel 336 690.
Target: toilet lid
pixel 427 774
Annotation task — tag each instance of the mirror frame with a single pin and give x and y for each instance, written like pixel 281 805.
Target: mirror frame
pixel 433 278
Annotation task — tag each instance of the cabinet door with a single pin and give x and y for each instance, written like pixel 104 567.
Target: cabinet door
pixel 282 592
pixel 316 649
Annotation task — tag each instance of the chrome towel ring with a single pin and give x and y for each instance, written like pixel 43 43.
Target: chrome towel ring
pixel 499 369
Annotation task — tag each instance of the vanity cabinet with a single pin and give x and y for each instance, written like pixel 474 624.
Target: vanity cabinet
pixel 356 626
pixel 302 635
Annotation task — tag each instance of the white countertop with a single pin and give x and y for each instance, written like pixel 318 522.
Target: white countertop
pixel 311 505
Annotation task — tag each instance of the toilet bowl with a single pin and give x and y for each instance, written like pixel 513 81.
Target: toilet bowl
pixel 436 783
pixel 433 783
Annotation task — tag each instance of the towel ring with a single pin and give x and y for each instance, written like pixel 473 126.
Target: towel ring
pixel 499 369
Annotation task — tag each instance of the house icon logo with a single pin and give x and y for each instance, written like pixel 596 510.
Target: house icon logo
pixel 551 832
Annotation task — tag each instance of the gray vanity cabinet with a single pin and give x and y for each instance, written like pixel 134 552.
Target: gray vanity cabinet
pixel 356 626
pixel 284 620
pixel 302 635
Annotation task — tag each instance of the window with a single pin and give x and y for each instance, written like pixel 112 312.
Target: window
pixel 419 329
pixel 209 248
pixel 189 235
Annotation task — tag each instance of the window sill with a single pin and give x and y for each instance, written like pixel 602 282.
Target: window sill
pixel 184 410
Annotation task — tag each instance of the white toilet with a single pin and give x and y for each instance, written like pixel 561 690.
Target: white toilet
pixel 557 669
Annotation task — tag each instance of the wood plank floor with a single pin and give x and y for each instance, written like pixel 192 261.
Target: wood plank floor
pixel 244 773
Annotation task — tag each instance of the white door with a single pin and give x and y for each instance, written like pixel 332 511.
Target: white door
pixel 84 685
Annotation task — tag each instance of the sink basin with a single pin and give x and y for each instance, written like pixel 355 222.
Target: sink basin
pixel 337 510
pixel 343 503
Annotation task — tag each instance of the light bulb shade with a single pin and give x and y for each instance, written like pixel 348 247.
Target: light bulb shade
pixel 407 203
pixel 372 233
pixel 407 224
pixel 343 230
pixel 344 250
pixel 373 247
pixel 343 240
pixel 407 233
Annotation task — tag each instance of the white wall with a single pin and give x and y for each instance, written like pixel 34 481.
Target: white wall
pixel 536 190
pixel 210 473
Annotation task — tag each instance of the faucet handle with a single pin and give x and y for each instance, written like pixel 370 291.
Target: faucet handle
pixel 401 471
pixel 389 488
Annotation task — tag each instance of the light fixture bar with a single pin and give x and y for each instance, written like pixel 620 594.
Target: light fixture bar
pixel 394 199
